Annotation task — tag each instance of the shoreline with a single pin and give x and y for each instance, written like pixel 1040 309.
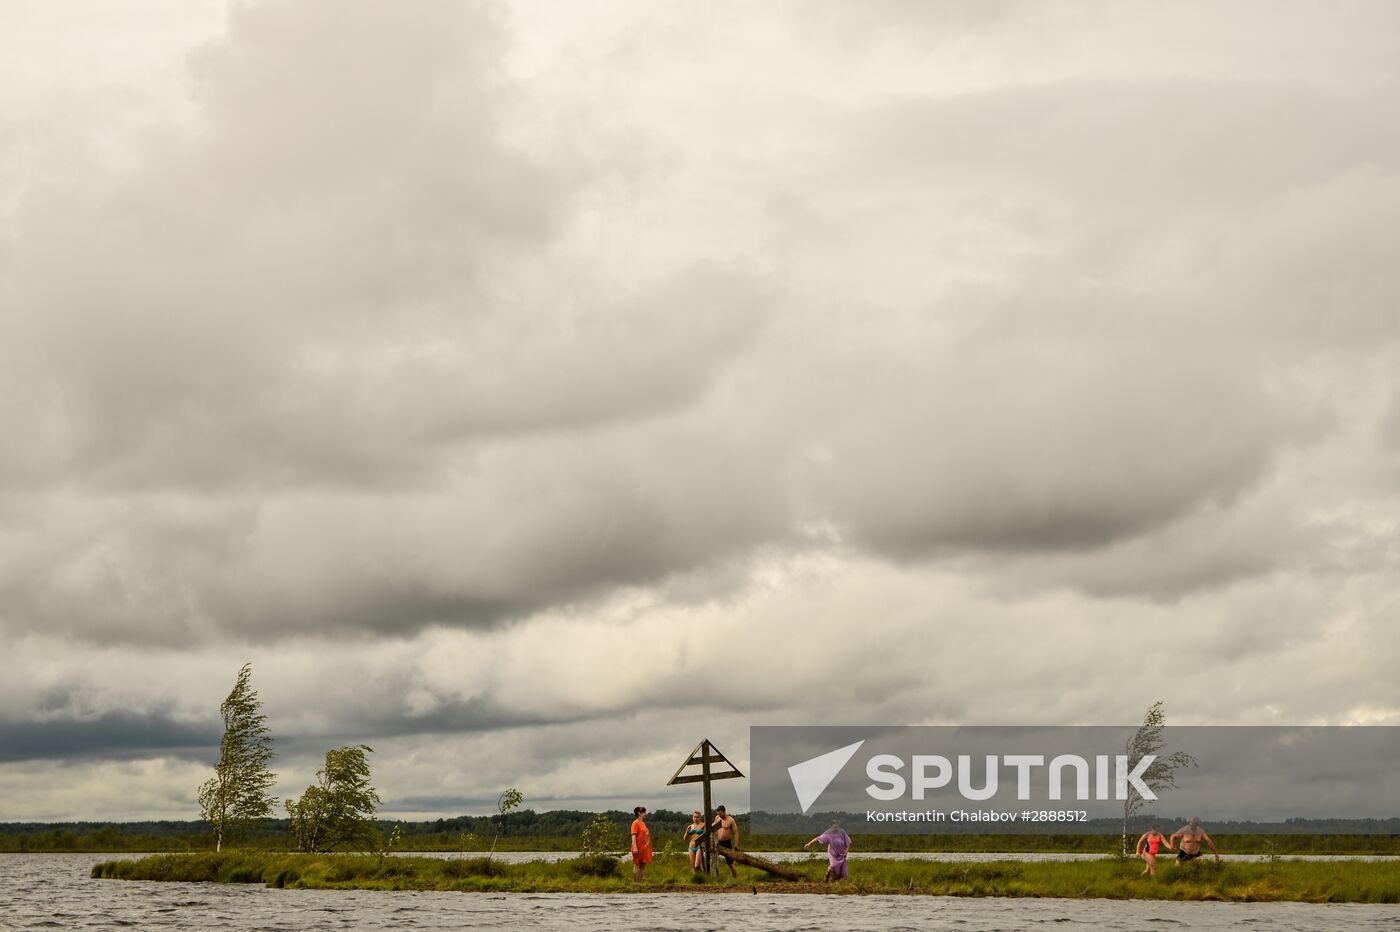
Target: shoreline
pixel 1108 878
pixel 536 832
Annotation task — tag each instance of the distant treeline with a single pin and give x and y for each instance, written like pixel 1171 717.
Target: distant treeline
pixel 559 830
pixel 555 830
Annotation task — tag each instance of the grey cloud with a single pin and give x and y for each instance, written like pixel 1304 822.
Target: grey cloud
pixel 452 803
pixel 592 361
pixel 1129 355
pixel 455 716
pixel 1017 448
pixel 116 734
pixel 1126 147
pixel 1209 548
pixel 337 273
pixel 519 534
pixel 343 270
pixel 899 21
pixel 1389 428
pixel 380 712
pixel 338 299
pixel 326 197
pixel 1309 270
pixel 514 533
pixel 62 725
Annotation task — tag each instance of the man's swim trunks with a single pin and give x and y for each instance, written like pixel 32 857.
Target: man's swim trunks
pixel 725 843
pixel 1187 855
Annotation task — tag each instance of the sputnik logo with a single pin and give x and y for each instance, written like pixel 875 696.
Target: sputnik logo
pixel 811 777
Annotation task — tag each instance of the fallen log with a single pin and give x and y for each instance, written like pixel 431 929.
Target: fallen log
pixel 749 860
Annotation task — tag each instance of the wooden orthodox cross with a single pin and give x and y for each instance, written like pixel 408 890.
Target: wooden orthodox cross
pixel 705 755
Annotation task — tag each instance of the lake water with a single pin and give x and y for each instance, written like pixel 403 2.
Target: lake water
pixel 54 892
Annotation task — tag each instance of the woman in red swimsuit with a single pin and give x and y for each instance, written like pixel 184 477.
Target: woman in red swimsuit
pixel 1147 845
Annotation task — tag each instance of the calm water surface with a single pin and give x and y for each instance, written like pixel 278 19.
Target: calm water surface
pixel 55 892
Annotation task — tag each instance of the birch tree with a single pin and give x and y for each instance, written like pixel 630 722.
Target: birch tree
pixel 237 795
pixel 1150 739
pixel 510 798
pixel 339 808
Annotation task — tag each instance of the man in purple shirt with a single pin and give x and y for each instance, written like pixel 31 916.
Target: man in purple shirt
pixel 837 844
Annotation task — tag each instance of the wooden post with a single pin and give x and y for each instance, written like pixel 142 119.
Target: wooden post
pixel 710 866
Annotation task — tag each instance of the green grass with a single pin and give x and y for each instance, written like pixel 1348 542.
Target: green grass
pixel 535 832
pixel 1110 878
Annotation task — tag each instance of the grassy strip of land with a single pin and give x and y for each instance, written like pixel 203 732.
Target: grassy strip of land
pixel 560 829
pixel 134 839
pixel 1109 878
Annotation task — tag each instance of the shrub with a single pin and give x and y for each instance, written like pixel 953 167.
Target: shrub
pixel 594 865
pixel 482 867
pixel 396 867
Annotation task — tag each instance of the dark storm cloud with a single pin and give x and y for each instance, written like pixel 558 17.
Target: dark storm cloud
pixel 62 726
pixel 456 716
pixel 119 734
pixel 382 714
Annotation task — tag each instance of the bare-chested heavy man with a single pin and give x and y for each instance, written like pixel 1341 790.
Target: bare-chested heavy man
pixel 1191 835
pixel 726 836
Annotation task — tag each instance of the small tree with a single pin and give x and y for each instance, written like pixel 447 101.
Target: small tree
pixel 1149 739
pixel 602 837
pixel 508 801
pixel 601 844
pixel 339 808
pixel 392 843
pixel 237 795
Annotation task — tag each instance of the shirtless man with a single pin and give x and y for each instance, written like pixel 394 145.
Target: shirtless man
pixel 1191 835
pixel 726 835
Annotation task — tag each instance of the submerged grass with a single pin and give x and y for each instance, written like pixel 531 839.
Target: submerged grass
pixel 1110 878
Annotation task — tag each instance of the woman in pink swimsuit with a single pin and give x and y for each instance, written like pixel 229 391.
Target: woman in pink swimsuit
pixel 1147 845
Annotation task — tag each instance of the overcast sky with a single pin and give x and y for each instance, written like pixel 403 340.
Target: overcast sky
pixel 531 390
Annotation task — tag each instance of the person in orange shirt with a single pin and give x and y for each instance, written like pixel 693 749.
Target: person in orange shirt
pixel 641 843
